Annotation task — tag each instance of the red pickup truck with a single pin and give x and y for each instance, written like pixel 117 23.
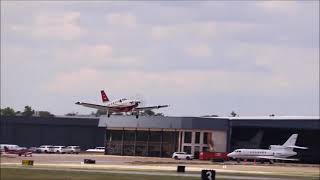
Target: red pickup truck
pixel 214 156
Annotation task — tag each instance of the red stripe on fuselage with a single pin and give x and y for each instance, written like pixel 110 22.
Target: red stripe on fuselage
pixel 125 109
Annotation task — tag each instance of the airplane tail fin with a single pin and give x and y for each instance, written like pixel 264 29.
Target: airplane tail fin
pixel 257 138
pixel 6 149
pixel 104 97
pixel 291 141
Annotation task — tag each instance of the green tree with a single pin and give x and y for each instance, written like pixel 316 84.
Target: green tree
pixel 28 111
pixel 159 114
pixel 149 112
pixel 71 114
pixel 8 112
pixel 45 114
pixel 100 112
pixel 233 114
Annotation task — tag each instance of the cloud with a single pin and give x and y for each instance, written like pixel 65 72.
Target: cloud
pixel 62 26
pixel 199 51
pixel 245 49
pixel 279 6
pixel 204 31
pixel 122 19
pixel 96 55
pixel 190 82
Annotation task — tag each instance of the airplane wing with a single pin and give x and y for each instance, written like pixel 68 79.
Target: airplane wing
pixel 96 106
pixel 150 107
pixel 277 158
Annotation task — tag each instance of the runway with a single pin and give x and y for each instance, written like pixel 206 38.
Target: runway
pixel 162 166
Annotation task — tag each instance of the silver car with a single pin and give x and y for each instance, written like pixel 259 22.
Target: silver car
pixel 61 149
pixel 46 149
pixel 73 149
pixel 182 155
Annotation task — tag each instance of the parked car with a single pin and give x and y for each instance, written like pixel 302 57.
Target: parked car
pixel 182 155
pixel 73 149
pixel 34 149
pixel 46 149
pixel 61 149
pixel 97 149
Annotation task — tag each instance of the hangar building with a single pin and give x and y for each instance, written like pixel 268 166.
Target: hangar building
pixel 160 136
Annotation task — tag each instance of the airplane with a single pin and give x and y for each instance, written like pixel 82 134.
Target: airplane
pixel 120 105
pixel 275 152
pixel 19 151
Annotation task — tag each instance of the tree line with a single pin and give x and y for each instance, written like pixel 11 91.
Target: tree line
pixel 28 112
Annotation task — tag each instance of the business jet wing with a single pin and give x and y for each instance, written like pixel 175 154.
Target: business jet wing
pixel 150 107
pixel 277 158
pixel 96 106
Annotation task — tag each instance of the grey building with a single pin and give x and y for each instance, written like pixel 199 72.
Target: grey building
pixel 161 136
pixel 65 131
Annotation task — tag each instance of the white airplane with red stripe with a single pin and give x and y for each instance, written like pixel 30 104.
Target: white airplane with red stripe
pixel 120 105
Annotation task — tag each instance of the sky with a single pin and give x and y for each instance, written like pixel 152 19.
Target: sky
pixel 211 57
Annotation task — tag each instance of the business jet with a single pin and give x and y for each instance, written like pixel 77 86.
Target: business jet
pixel 275 152
pixel 120 105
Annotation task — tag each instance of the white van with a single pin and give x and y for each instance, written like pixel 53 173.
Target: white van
pixel 97 149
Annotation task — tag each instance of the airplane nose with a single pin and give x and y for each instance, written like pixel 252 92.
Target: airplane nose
pixel 229 155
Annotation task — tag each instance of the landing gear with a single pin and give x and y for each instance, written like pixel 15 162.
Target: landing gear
pixel 271 161
pixel 109 115
pixel 238 160
pixel 137 116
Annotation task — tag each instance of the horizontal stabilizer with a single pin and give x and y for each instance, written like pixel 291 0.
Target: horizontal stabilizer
pixel 297 147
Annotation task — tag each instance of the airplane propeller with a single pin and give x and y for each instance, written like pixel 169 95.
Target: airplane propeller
pixel 140 99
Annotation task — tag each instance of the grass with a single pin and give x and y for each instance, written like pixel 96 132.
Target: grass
pixel 36 174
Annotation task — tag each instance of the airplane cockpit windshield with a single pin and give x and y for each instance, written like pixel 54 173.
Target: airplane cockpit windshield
pixel 123 99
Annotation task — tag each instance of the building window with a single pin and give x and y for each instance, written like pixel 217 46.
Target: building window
pixel 187 149
pixel 205 149
pixel 155 136
pixel 187 137
pixel 116 135
pixel 197 140
pixel 205 138
pixel 129 137
pixel 141 143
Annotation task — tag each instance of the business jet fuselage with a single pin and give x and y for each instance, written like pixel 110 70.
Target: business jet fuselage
pixel 260 154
